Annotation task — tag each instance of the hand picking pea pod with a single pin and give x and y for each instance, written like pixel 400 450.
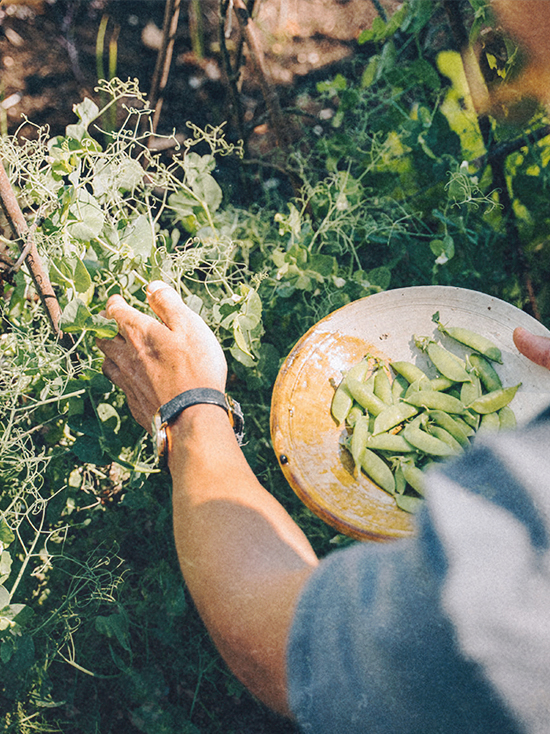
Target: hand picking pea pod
pixel 399 420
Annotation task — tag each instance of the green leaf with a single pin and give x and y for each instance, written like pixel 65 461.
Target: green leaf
pixel 380 277
pixel 76 316
pixel 86 111
pixel 81 278
pixel 86 218
pixel 109 416
pixel 114 626
pixel 139 236
pixel 444 249
pixel 88 449
pixel 208 191
pixel 6 534
pixel 5 566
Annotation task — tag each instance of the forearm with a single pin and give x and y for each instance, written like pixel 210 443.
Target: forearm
pixel 243 557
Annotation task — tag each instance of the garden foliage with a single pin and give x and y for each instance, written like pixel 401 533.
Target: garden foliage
pixel 397 189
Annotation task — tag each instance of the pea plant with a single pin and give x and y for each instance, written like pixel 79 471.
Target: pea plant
pixel 401 185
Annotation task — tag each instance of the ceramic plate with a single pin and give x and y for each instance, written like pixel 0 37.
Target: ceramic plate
pixel 305 436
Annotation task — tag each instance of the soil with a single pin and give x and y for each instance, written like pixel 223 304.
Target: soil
pixel 48 57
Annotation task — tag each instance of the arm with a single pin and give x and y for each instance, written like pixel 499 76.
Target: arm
pixel 243 558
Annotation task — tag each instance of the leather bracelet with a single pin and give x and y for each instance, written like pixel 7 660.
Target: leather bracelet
pixel 168 413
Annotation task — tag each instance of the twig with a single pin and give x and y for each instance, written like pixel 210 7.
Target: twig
pixel 22 232
pixel 271 98
pixel 231 73
pixel 164 60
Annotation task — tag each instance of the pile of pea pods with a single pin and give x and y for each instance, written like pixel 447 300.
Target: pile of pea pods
pixel 399 421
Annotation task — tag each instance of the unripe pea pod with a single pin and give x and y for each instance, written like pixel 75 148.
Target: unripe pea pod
pixel 446 363
pixel 414 476
pixel 486 373
pixel 469 391
pixel 470 427
pixel 443 435
pixel 342 402
pixel 452 426
pixel 408 502
pixel 493 401
pixel 398 388
pixel 409 371
pixel 382 386
pixel 426 443
pixel 440 384
pixel 489 423
pixel 358 371
pixel 377 469
pixel 473 340
pixel 392 416
pixel 436 401
pixel 365 397
pixel 354 414
pixel 507 418
pixel 400 481
pixel 422 384
pixel 393 442
pixel 359 438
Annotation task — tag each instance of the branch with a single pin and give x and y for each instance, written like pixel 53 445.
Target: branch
pixel 164 59
pixel 27 245
pixel 250 33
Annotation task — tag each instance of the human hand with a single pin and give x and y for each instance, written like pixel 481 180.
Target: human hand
pixel 535 348
pixel 152 362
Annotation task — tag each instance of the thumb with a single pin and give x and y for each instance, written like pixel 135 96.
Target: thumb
pixel 535 348
pixel 166 303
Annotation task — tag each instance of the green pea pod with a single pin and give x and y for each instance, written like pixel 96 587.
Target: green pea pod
pixel 422 384
pixel 469 391
pixel 358 371
pixel 452 426
pixel 398 388
pixel 414 476
pixel 392 416
pixel 400 481
pixel 426 443
pixel 365 397
pixel 377 469
pixel 440 384
pixel 342 402
pixel 382 386
pixel 486 372
pixel 353 416
pixel 470 427
pixel 389 442
pixel 489 423
pixel 359 438
pixel 409 371
pixel 495 400
pixel 446 363
pixel 408 503
pixel 473 340
pixel 436 401
pixel 507 419
pixel 443 435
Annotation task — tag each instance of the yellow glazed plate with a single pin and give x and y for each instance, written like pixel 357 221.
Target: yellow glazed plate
pixel 305 436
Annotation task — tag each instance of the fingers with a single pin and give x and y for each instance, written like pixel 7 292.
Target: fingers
pixel 535 348
pixel 166 303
